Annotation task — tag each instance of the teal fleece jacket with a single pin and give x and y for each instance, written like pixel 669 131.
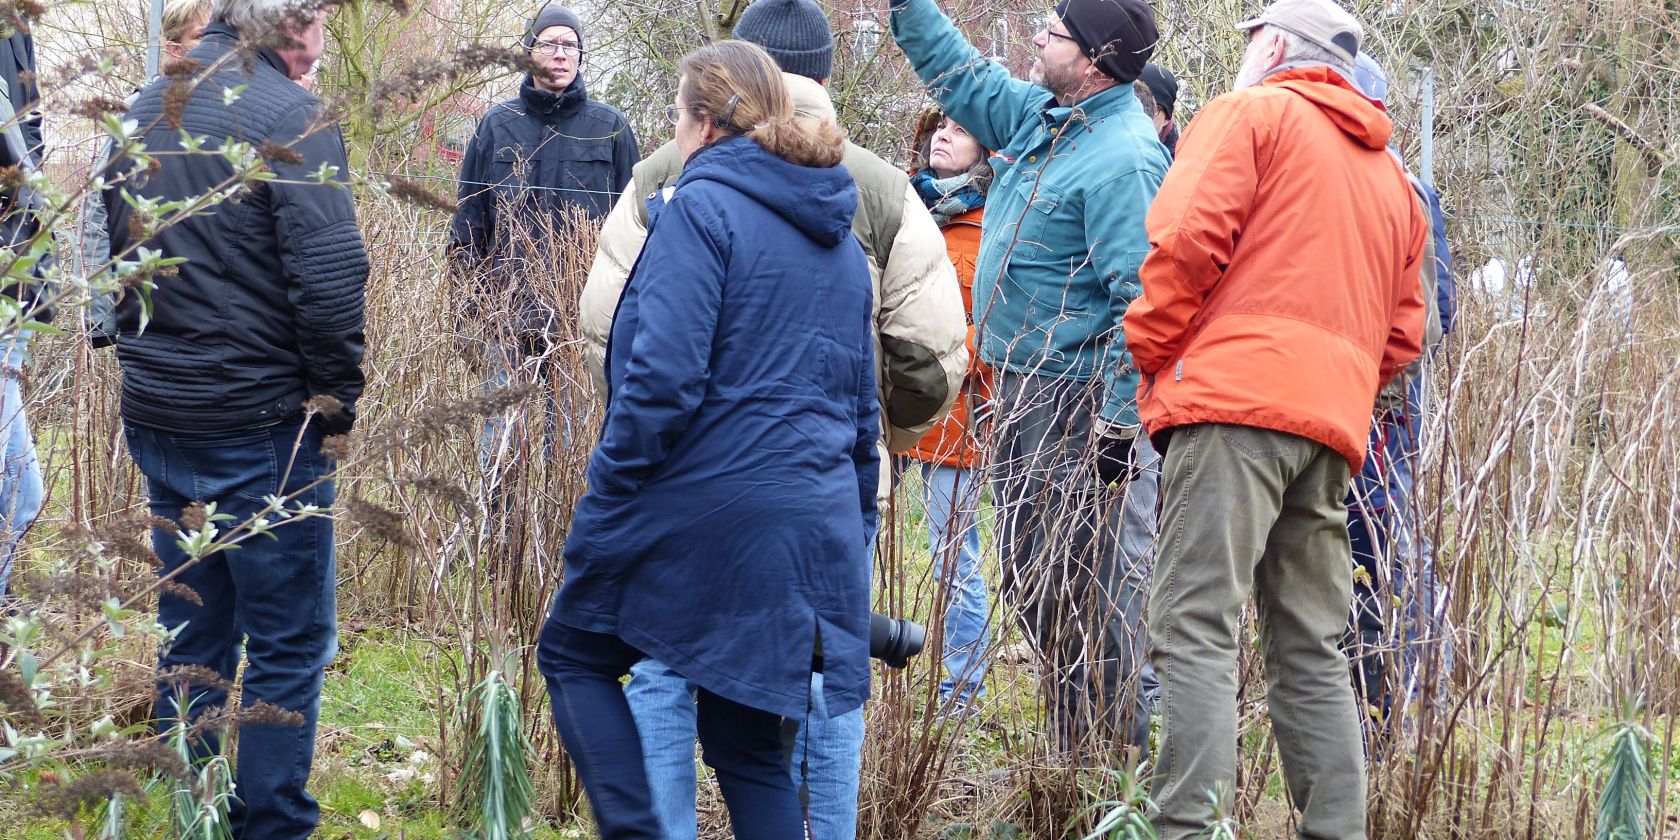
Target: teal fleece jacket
pixel 1063 235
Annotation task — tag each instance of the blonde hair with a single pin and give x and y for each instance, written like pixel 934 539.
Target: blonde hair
pixel 180 17
pixel 738 87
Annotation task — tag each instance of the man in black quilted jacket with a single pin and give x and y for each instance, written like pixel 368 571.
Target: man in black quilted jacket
pixel 243 361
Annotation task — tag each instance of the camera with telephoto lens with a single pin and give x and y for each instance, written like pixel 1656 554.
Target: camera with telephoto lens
pixel 895 640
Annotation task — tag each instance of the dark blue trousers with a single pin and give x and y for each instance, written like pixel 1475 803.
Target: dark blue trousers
pixel 276 595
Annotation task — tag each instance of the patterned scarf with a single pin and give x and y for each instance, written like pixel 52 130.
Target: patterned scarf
pixel 947 198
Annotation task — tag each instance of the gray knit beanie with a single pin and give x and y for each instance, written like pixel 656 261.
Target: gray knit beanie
pixel 551 14
pixel 794 32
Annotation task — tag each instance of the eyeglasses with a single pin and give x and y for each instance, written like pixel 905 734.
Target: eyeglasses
pixel 675 112
pixel 1049 21
pixel 550 49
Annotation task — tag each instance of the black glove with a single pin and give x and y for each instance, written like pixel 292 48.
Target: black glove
pixel 1116 461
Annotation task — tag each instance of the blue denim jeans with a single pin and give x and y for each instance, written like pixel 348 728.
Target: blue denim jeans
pixel 1385 529
pixel 742 745
pixel 952 499
pixel 277 594
pixel 21 490
pixel 663 704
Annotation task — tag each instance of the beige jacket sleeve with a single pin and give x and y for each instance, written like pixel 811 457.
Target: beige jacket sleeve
pixel 620 242
pixel 922 330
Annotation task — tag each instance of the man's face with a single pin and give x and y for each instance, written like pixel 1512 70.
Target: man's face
pixel 557 50
pixel 1061 67
pixel 312 41
pixel 1265 51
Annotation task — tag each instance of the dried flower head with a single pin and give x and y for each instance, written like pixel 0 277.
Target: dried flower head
pixel 18 702
pixel 192 676
pixel 193 517
pixel 325 405
pixel 151 754
pixel 404 189
pixel 11 179
pixel 177 589
pixel 336 447
pixel 97 107
pixel 380 521
pixel 86 793
pixel 262 713
pixel 277 153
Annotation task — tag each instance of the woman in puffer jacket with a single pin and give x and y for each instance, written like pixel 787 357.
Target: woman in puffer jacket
pixel 952 182
pixel 724 532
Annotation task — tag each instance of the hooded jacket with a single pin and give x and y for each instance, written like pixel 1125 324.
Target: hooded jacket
pixel 732 494
pixel 1282 289
pixel 918 305
pixel 267 309
pixel 532 158
pixel 1064 233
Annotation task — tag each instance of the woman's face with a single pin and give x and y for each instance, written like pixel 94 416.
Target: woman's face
pixel 694 129
pixel 953 151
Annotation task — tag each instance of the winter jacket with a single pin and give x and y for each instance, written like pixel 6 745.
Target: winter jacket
pixel 533 158
pixel 918 306
pixel 1282 290
pixel 954 443
pixel 22 209
pixel 266 312
pixel 1064 231
pixel 732 494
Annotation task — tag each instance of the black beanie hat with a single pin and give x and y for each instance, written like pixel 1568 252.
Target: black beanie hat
pixel 1117 35
pixel 1163 85
pixel 551 14
pixel 794 32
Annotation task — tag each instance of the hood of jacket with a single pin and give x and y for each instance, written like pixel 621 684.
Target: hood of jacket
pixel 810 99
pixel 1337 98
pixel 819 201
pixel 544 103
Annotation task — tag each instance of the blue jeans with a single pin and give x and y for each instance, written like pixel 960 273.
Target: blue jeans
pixel 1387 538
pixel 20 484
pixel 278 594
pixel 663 704
pixel 741 744
pixel 952 499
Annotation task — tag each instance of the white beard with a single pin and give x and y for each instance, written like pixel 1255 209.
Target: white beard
pixel 1250 73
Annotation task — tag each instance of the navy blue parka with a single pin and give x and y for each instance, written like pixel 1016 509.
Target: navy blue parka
pixel 733 490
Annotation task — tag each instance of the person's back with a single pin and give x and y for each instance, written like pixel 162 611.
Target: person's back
pixel 1292 335
pixel 736 467
pixel 267 309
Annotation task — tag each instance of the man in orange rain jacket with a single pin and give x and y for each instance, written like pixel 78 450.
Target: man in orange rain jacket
pixel 1281 293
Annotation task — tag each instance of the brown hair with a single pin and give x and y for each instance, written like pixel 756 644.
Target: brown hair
pixel 739 88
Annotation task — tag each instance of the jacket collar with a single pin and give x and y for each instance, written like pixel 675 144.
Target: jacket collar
pixel 544 103
pixel 231 33
pixel 1116 100
pixel 810 99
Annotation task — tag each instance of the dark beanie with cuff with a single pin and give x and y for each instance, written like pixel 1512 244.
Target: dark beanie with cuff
pixel 1117 35
pixel 794 32
pixel 551 14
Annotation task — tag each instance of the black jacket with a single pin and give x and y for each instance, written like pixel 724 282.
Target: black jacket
pixel 267 310
pixel 22 210
pixel 530 159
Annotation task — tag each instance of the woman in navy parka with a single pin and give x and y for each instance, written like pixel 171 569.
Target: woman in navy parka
pixel 724 530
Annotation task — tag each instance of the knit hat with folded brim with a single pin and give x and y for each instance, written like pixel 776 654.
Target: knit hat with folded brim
pixel 1117 35
pixel 552 14
pixel 794 32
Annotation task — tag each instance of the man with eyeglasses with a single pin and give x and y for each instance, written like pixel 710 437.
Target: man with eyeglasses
pixel 1077 164
pixel 538 165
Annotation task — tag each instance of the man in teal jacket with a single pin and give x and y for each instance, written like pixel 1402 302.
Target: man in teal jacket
pixel 1077 165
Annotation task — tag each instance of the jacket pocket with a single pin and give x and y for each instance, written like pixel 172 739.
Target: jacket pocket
pixel 1039 202
pixel 512 165
pixel 586 173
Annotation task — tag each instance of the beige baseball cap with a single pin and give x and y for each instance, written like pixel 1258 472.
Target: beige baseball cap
pixel 1322 22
